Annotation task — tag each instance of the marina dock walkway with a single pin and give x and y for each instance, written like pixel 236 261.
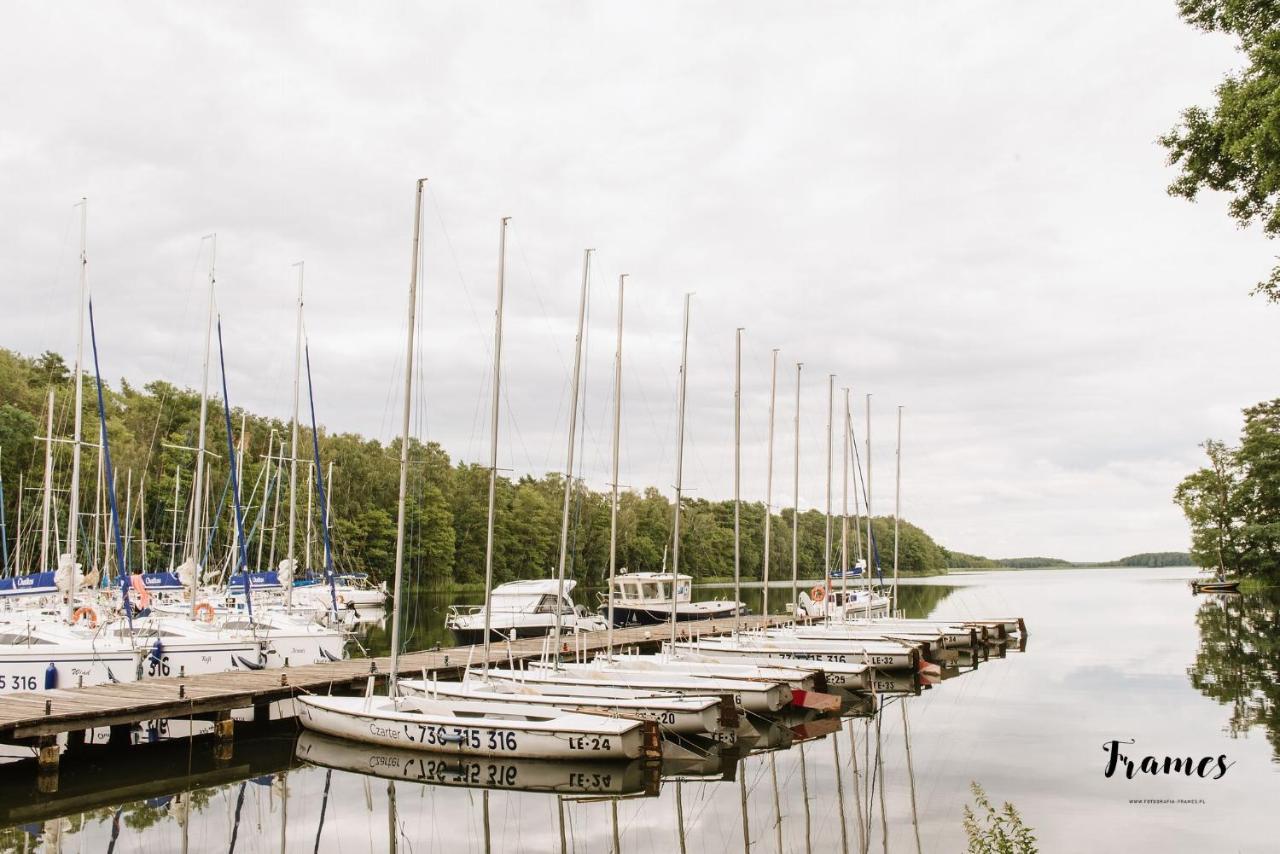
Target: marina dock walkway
pixel 36 718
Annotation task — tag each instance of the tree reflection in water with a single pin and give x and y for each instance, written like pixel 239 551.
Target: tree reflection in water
pixel 1238 663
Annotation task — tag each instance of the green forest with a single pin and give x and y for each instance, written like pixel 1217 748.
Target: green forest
pixel 153 428
pixel 960 560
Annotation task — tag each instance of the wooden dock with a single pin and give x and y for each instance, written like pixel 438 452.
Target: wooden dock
pixel 37 718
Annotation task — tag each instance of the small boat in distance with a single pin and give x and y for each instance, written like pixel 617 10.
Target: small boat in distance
pixel 521 609
pixel 1216 585
pixel 645 598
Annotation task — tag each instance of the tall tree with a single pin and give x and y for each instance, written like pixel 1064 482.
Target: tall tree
pixel 1235 148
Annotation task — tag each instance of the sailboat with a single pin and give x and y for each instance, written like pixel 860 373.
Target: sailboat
pixel 39 651
pixel 536 607
pixel 467 727
pixel 690 716
pixel 526 600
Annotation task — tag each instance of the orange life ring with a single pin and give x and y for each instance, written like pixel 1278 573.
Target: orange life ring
pixel 203 608
pixel 85 611
pixel 818 593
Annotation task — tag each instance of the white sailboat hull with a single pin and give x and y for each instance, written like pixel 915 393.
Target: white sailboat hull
pixel 501 729
pixel 751 696
pixel 798 678
pixel 848 676
pixel 680 715
pixel 24 668
pixel 880 655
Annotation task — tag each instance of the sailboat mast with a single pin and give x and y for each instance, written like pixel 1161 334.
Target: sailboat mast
pixel 240 546
pixel 568 465
pixel 73 526
pixel 768 489
pixel 493 436
pixel 142 520
pixel 675 544
pixel 795 512
pixel 198 509
pixel 48 487
pixel 897 508
pixel 266 490
pixel 826 542
pixel 871 549
pixel 4 531
pixel 404 446
pixel 177 492
pixel 17 537
pixel 737 485
pixel 613 485
pixel 311 487
pixel 293 441
pixel 844 507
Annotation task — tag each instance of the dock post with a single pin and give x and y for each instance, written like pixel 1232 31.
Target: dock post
pixel 75 739
pixel 224 733
pixel 261 714
pixel 120 735
pixel 47 758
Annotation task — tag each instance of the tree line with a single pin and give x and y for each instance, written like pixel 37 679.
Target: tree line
pixel 153 428
pixel 1233 503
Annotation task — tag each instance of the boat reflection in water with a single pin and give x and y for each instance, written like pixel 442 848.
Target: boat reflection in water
pixel 803 782
pixel 526 775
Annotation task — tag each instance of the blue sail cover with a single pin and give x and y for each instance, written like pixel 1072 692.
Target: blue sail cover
pixel 269 580
pixel 35 584
pixel 154 581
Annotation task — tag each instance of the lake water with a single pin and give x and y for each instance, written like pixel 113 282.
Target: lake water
pixel 1127 654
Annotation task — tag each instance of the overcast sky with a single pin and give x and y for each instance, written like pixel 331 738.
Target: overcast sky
pixel 958 208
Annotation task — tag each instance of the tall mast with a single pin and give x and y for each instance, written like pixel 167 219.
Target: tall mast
pixel 795 513
pixel 293 441
pixel 142 520
pixel 404 445
pixel 768 489
pixel 328 502
pixel 177 492
pixel 871 549
pixel 73 525
pixel 197 512
pixel 493 437
pixel 826 543
pixel 17 537
pixel 617 436
pixel 311 486
pixel 568 465
pixel 737 483
pixel 675 545
pixel 262 511
pixel 4 531
pixel 48 487
pixel 241 551
pixel 844 508
pixel 897 508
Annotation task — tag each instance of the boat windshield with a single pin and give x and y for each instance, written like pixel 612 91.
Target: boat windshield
pixel 547 605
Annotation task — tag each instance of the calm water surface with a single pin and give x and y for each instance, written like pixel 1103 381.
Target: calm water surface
pixel 1113 654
